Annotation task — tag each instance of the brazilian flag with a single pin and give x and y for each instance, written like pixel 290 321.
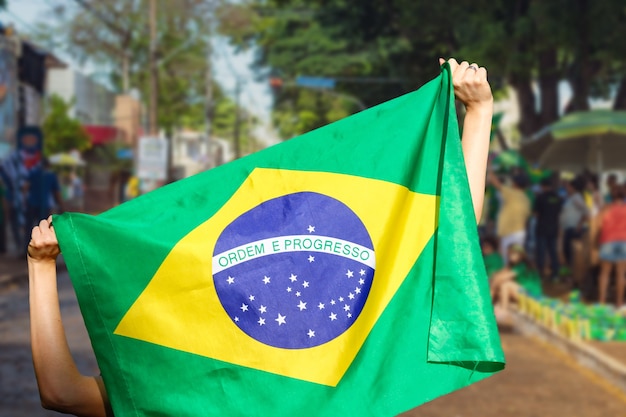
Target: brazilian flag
pixel 336 274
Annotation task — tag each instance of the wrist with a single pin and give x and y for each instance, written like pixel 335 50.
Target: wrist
pixel 482 108
pixel 41 261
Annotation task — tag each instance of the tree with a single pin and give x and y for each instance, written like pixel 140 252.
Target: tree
pixel 301 110
pixel 224 120
pixel 528 44
pixel 114 35
pixel 61 132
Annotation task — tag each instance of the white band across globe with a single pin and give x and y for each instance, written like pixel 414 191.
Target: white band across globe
pixel 295 243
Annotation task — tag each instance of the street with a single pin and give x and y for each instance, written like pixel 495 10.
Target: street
pixel 18 389
pixel 538 381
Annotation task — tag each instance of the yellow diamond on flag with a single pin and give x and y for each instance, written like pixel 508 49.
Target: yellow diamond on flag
pixel 181 308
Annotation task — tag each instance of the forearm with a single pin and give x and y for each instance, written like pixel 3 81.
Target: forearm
pixel 61 386
pixel 476 133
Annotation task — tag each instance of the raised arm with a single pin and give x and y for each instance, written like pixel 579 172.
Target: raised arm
pixel 61 387
pixel 472 89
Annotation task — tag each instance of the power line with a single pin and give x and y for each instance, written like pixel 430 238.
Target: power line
pixel 49 44
pixel 104 19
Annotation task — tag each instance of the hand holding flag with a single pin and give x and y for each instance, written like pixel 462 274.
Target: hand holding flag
pixel 472 89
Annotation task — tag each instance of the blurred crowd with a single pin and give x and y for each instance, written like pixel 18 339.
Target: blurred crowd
pixel 555 232
pixel 31 190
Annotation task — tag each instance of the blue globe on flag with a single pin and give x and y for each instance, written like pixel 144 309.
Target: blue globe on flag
pixel 295 271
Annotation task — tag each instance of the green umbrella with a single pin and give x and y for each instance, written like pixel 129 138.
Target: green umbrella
pixel 594 140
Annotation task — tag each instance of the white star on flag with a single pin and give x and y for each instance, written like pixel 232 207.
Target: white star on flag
pixel 230 280
pixel 351 296
pixel 236 318
pixel 266 280
pixel 349 315
pixel 251 298
pixel 349 274
pixel 261 321
pixel 280 319
pixel 288 289
pixel 332 302
pixel 293 278
pixel 244 307
pixel 311 229
pixel 263 309
pixel 346 307
pixel 311 333
pixel 332 317
pixel 298 294
pixel 357 290
pixel 362 272
pixel 311 258
pixel 305 284
pixel 361 281
pixel 320 306
pixel 340 299
pixel 301 306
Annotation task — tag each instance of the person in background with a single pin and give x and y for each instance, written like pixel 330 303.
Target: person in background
pixel 517 276
pixel 593 197
pixel 14 176
pixel 574 217
pixel 3 212
pixel 131 190
pixel 547 209
pixel 612 240
pixel 514 212
pixel 44 194
pixel 77 191
pixel 491 256
pixel 611 181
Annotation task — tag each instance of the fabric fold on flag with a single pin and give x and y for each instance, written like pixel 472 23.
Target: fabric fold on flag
pixel 337 273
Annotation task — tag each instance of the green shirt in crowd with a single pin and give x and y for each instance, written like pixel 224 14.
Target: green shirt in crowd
pixel 528 279
pixel 493 263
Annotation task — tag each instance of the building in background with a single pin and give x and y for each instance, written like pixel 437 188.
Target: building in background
pixel 128 115
pixel 9 50
pixel 93 103
pixel 190 152
pixel 112 123
pixel 24 68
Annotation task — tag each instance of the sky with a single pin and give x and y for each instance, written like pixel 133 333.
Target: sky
pixel 229 66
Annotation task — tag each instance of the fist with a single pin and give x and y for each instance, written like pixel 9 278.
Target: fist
pixel 43 244
pixel 470 84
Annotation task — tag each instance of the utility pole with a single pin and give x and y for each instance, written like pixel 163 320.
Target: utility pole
pixel 154 82
pixel 237 127
pixel 209 101
pixel 125 72
pixel 209 106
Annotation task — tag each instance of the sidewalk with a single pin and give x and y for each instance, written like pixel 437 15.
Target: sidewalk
pixel 598 357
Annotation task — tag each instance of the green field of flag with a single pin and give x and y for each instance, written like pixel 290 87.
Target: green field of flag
pixel 335 274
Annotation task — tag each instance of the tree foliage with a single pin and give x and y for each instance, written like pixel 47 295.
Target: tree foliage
pixel 528 44
pixel 61 132
pixel 114 35
pixel 302 110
